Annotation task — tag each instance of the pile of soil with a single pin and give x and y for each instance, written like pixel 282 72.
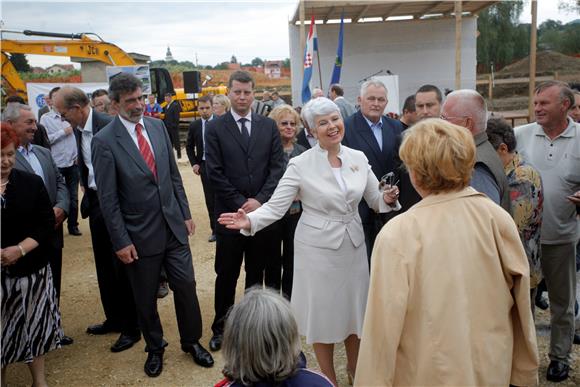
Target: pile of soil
pixel 547 63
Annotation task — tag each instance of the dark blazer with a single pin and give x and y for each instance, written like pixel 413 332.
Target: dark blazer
pixel 239 171
pixel 171 118
pixel 194 145
pixel 100 120
pixel 358 135
pixel 138 208
pixel 302 140
pixel 41 137
pixel 28 213
pixel 54 183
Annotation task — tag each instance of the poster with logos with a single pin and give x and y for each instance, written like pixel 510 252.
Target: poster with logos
pixel 140 71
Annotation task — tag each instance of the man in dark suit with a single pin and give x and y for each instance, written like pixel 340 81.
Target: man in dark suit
pixel 38 160
pixel 74 106
pixel 147 215
pixel 195 152
pixel 304 137
pixel 244 162
pixel 171 121
pixel 376 135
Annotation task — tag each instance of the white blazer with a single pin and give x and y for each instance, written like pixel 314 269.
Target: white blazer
pixel 329 213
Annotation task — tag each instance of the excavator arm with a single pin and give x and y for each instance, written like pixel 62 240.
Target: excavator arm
pixel 11 78
pixel 78 45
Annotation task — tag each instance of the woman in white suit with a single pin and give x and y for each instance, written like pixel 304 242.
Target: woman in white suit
pixel 331 274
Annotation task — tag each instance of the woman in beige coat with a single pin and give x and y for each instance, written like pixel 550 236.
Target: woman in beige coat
pixel 457 276
pixel 331 273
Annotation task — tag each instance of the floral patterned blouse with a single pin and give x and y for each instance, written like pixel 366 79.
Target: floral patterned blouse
pixel 527 201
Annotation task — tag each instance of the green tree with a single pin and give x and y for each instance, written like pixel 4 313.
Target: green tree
pixel 499 37
pixel 286 63
pixel 257 62
pixel 20 63
pixel 552 35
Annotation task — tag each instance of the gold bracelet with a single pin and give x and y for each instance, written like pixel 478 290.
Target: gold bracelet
pixel 22 251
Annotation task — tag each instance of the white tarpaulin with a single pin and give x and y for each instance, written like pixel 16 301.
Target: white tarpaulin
pixel 392 83
pixel 37 91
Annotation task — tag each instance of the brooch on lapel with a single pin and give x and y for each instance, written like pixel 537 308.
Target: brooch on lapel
pixel 354 168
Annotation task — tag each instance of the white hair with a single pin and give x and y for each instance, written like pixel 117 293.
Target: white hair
pixel 372 82
pixel 12 111
pixel 318 107
pixel 471 104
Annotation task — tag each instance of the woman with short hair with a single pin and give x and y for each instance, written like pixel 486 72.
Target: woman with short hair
pixel 331 270
pixel 458 311
pixel 30 316
pixel 220 104
pixel 261 345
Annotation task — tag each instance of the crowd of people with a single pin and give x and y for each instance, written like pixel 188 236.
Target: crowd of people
pixel 419 241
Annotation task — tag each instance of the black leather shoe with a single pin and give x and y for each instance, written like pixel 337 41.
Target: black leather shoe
pixel 215 344
pixel 125 342
pixel 154 364
pixel 576 338
pixel 66 340
pixel 557 371
pixel 200 355
pixel 101 329
pixel 211 238
pixel 542 303
pixel 75 231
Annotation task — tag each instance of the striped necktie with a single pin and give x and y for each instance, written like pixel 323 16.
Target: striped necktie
pixel 145 150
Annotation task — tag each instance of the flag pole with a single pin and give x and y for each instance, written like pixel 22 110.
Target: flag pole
pixel 318 59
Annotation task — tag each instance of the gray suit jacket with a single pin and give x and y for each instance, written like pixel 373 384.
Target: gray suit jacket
pixel 347 109
pixel 54 182
pixel 138 209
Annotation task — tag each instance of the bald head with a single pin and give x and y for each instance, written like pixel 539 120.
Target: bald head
pixel 73 105
pixel 466 108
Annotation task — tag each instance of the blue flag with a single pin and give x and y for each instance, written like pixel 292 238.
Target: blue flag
pixel 338 62
pixel 311 46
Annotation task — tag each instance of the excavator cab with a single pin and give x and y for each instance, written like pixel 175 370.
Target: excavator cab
pixel 161 83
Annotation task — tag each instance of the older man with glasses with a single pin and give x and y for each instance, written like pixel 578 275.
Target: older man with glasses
pixel 467 108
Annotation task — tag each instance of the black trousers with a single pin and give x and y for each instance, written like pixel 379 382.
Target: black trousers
pixel 144 278
pixel 280 270
pixel 209 196
pixel 114 288
pixel 174 136
pixel 231 250
pixel 71 178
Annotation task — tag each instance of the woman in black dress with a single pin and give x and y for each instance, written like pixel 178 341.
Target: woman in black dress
pixel 30 316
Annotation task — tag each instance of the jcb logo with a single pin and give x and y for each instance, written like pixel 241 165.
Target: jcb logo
pixel 187 105
pixel 92 50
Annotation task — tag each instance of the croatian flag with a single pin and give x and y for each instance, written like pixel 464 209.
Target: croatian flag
pixel 311 46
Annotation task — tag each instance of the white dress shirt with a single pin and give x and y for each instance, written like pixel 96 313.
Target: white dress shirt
pixel 248 117
pixel 130 126
pixel 63 146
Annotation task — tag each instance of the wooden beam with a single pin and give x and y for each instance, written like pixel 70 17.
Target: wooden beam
pixel 458 27
pixel 391 11
pixel 426 10
pixel 533 42
pixel 361 13
pixel 327 16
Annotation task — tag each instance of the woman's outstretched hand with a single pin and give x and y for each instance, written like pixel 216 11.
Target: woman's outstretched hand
pixel 235 220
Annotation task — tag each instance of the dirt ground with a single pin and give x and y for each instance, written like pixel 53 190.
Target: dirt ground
pixel 88 362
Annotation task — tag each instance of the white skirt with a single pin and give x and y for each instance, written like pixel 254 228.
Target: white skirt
pixel 329 292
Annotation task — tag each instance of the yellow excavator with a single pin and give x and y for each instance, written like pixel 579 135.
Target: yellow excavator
pixel 83 46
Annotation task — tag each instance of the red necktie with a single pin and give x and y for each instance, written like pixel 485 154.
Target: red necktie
pixel 145 150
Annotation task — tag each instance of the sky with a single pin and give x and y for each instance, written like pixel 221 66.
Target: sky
pixel 214 30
